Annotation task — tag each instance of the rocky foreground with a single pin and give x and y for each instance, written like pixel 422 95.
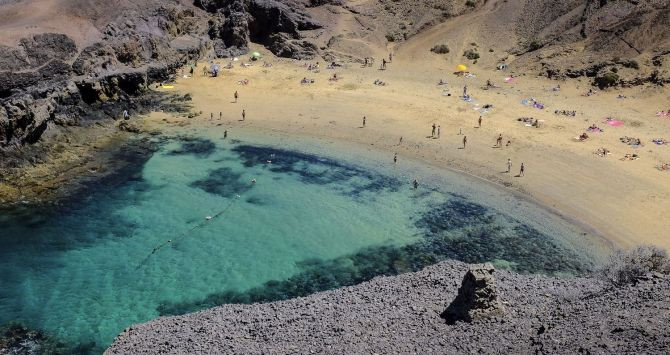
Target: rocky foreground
pixel 431 311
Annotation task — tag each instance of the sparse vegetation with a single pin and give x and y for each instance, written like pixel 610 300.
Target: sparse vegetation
pixel 440 49
pixel 606 80
pixel 631 64
pixel 625 267
pixel 534 45
pixel 471 54
pixel 390 37
pixel 470 3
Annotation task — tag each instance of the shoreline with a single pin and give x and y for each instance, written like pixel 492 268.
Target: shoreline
pixel 347 151
pixel 285 106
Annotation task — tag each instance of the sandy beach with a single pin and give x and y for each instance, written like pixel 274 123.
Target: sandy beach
pixel 624 201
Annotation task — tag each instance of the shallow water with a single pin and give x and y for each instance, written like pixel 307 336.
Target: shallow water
pixel 139 244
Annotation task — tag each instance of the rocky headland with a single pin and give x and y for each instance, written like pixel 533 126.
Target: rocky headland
pixel 432 311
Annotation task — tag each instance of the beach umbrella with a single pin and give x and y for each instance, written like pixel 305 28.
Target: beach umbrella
pixel 462 67
pixel 256 55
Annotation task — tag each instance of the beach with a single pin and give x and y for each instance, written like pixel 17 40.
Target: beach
pixel 623 201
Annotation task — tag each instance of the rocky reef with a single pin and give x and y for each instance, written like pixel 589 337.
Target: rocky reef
pixel 512 314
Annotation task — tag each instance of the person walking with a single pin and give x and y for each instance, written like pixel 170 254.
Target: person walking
pixel 438 131
pixel 499 141
pixel 236 96
pixel 244 115
pixel 395 158
pixel 480 121
pixel 432 133
pixel 509 165
pixel 522 170
pixel 465 91
pixel 399 143
pixel 416 184
pixel 364 119
pixel 225 134
pixel 465 140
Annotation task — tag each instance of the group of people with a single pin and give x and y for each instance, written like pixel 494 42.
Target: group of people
pixel 565 113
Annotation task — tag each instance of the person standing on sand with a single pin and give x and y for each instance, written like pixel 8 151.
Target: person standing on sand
pixel 390 57
pixel 236 96
pixel 126 115
pixel 395 158
pixel 432 134
pixel 465 91
pixel 509 165
pixel 364 119
pixel 415 183
pixel 225 134
pixel 384 63
pixel 244 115
pixel 438 131
pixel 220 115
pixel 499 141
pixel 465 140
pixel 522 170
pixel 399 143
pixel 480 121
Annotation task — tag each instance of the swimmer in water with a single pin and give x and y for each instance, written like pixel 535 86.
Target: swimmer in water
pixel 253 181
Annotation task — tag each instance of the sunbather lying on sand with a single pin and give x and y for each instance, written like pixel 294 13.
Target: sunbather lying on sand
pixel 660 141
pixel 582 137
pixel 630 157
pixel 595 129
pixel 380 83
pixel 663 167
pixel 305 81
pixel 602 152
pixel 565 113
pixel 243 82
pixel 630 140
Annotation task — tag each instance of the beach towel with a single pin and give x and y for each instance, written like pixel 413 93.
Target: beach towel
pixel 168 86
pixel 614 123
pixel 526 102
pixel 510 80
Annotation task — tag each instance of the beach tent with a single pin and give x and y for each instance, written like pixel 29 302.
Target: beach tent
pixel 255 56
pixel 461 68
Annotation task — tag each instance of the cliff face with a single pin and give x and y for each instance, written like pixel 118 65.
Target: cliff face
pixel 414 313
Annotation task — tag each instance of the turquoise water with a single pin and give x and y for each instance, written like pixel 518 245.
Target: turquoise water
pixel 139 244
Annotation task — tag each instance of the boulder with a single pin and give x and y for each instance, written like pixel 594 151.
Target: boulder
pixel 477 297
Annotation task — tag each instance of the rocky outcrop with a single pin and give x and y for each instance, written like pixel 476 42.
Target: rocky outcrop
pixel 477 297
pixel 48 81
pixel 275 24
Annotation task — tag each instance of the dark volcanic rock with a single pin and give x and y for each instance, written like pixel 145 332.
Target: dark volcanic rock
pixel 477 298
pixel 47 81
pixel 274 24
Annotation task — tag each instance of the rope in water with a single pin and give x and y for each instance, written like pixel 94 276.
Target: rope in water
pixel 184 234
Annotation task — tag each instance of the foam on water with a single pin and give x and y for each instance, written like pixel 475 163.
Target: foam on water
pixel 87 269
